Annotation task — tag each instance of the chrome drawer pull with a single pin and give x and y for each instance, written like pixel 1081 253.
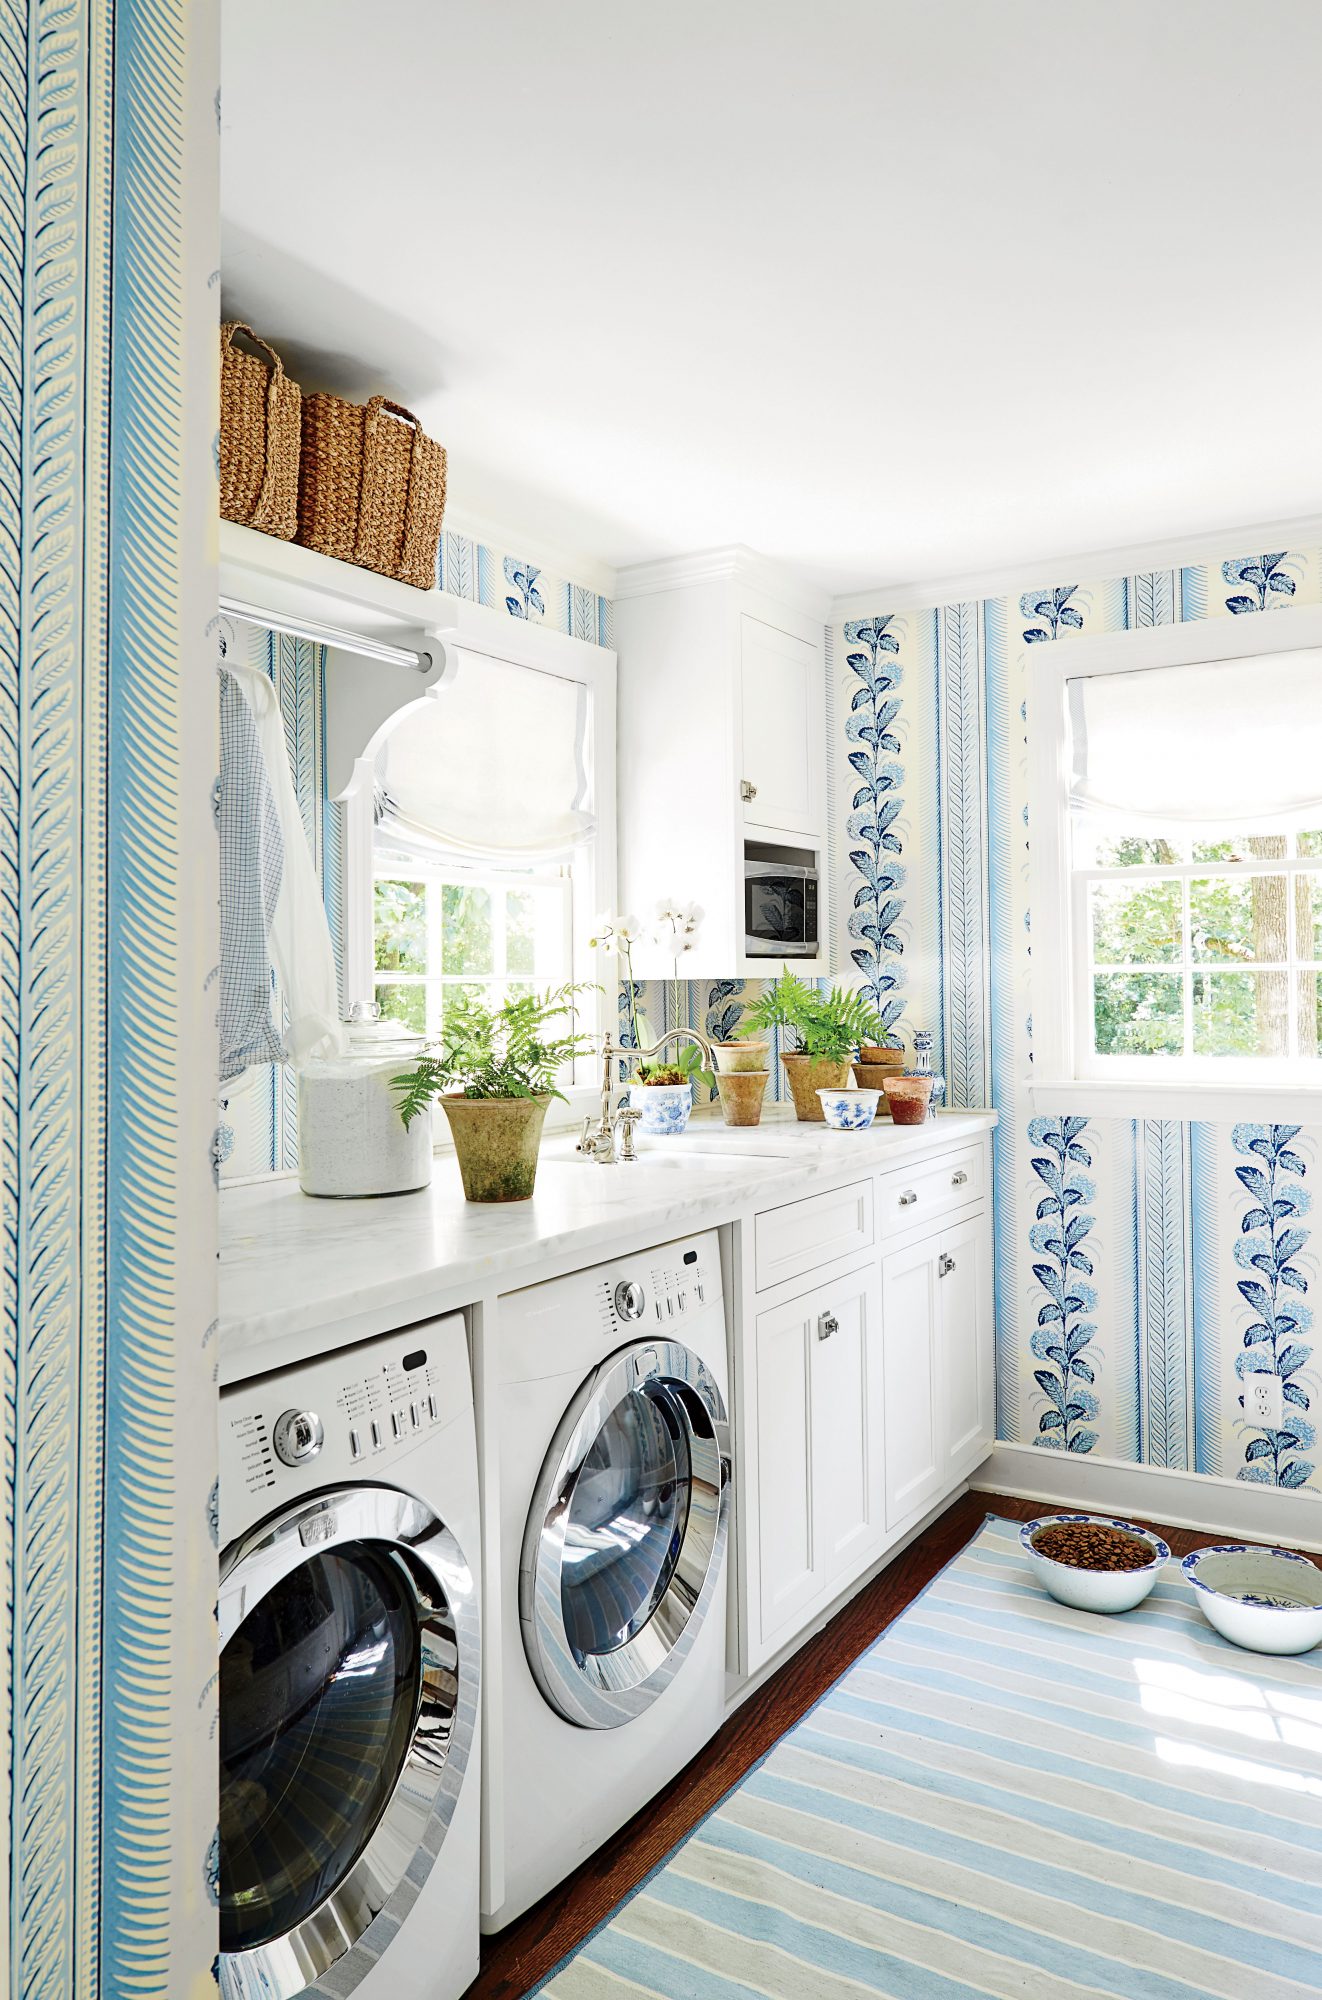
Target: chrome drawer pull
pixel 908 1200
pixel 945 1265
pixel 958 1180
pixel 827 1324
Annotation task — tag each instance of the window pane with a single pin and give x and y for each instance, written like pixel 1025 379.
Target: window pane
pixel 1138 925
pixel 1138 1014
pixel 403 1003
pixel 520 931
pixel 1310 843
pixel 1309 1030
pixel 1241 1014
pixel 400 917
pixel 1310 915
pixel 466 944
pixel 1098 850
pixel 1242 847
pixel 1243 917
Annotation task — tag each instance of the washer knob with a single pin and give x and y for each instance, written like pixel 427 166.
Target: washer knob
pixel 298 1436
pixel 629 1299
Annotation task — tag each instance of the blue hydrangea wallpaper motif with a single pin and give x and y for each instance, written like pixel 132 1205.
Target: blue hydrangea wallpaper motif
pixel 1270 1242
pixel 1064 1328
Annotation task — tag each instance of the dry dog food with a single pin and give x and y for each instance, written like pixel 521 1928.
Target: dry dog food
pixel 1092 1545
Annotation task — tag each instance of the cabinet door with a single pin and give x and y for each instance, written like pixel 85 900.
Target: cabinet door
pixel 848 1452
pixel 965 1389
pixel 787 1573
pixel 910 1308
pixel 782 705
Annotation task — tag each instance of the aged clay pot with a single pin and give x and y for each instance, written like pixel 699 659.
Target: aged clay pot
pixel 809 1074
pixel 496 1141
pixel 741 1093
pixel 738 1058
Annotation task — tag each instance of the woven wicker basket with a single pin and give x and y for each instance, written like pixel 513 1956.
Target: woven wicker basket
pixel 371 487
pixel 259 436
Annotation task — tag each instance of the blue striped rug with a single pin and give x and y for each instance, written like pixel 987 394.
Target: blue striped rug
pixel 1005 1797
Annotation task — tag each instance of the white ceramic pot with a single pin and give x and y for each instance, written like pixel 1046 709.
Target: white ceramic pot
pixel 1268 1600
pixel 666 1107
pixel 1105 1590
pixel 849 1110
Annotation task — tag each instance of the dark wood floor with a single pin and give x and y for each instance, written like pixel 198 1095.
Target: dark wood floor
pixel 522 1954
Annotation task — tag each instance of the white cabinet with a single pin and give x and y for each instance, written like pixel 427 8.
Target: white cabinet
pixel 782 708
pixel 721 738
pixel 939 1397
pixel 819 1503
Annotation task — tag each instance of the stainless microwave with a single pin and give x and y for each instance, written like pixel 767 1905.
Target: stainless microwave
pixel 780 906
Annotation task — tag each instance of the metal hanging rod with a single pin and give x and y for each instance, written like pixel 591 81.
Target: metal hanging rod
pixel 327 635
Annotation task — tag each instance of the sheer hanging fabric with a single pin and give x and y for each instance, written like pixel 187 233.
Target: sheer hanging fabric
pixel 494 766
pixel 1229 745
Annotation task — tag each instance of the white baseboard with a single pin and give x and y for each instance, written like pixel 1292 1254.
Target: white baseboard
pixel 1200 1500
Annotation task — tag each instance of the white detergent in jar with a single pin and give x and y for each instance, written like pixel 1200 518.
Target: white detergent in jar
pixel 352 1141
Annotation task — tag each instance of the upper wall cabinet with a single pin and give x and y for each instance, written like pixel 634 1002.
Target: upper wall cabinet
pixel 722 748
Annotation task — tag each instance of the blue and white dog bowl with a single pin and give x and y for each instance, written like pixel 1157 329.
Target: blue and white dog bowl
pixel 1269 1600
pixel 849 1110
pixel 665 1107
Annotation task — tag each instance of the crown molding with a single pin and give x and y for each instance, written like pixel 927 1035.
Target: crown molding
pixel 736 564
pixel 1168 554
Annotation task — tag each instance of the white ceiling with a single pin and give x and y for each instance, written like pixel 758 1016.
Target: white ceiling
pixel 886 289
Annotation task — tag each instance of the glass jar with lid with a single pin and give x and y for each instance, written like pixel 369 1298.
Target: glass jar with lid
pixel 352 1141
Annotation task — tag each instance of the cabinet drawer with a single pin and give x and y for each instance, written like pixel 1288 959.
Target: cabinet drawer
pixel 930 1188
pixel 805 1234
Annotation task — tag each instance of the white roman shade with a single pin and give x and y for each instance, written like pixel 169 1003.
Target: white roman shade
pixel 1233 744
pixel 494 767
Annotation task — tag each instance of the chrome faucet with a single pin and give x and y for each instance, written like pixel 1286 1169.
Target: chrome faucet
pixel 609 1137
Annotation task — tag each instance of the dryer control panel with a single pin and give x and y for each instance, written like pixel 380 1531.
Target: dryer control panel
pixel 660 1288
pixel 351 1413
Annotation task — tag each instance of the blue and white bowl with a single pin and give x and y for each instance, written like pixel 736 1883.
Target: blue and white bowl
pixel 1105 1590
pixel 1268 1600
pixel 849 1110
pixel 665 1107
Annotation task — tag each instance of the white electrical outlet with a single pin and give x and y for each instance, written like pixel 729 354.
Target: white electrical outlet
pixel 1263 1402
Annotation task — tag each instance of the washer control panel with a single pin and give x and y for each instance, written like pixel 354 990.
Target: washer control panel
pixel 355 1411
pixel 661 1289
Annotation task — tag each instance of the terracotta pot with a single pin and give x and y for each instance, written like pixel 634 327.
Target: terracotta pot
pixel 496 1141
pixel 908 1097
pixel 740 1058
pixel 874 1057
pixel 741 1093
pixel 872 1076
pixel 807 1075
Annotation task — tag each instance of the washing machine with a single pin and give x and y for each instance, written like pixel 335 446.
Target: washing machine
pixel 604 1434
pixel 349 1840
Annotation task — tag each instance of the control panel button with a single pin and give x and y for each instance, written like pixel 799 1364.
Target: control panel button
pixel 298 1436
pixel 396 1423
pixel 414 1418
pixel 377 1439
pixel 682 1301
pixel 355 1445
pixel 432 1410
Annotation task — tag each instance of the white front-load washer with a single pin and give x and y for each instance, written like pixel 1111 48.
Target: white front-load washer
pixel 606 1493
pixel 350 1686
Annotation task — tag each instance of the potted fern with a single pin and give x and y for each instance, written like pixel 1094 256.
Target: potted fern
pixel 494 1074
pixel 827 1029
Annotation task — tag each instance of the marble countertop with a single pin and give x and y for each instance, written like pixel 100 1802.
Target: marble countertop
pixel 296 1273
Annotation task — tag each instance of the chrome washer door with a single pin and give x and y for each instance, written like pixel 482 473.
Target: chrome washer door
pixel 626 1535
pixel 348 1700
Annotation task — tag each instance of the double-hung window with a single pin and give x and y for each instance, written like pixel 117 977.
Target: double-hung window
pixel 1175 834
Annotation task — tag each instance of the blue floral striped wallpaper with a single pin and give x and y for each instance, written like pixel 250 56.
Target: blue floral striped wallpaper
pixel 1142 1268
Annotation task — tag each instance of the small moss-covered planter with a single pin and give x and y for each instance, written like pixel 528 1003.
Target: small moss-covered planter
pixel 496 1140
pixel 809 1074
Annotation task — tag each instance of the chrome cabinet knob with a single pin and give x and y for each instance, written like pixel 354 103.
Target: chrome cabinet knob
pixel 298 1436
pixel 945 1265
pixel 958 1180
pixel 827 1324
pixel 629 1299
pixel 908 1199
pixel 747 792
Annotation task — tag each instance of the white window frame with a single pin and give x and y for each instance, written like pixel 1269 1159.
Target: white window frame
pixel 1065 1076
pixel 481 629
